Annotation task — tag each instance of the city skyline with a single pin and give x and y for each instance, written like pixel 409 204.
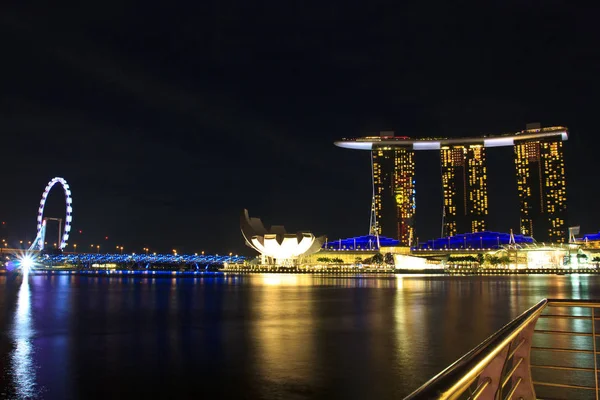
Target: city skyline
pixel 393 167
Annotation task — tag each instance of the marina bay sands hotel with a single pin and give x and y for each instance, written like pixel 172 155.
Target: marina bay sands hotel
pixel 539 168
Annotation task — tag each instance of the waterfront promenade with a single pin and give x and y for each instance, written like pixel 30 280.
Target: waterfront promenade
pixel 90 263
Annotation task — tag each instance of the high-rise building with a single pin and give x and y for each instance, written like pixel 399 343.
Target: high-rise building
pixel 464 182
pixel 541 184
pixel 394 192
pixel 540 171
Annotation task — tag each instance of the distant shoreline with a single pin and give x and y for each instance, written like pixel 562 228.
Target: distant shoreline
pixel 196 274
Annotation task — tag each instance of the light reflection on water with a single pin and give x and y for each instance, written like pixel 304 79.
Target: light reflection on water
pixel 268 336
pixel 22 365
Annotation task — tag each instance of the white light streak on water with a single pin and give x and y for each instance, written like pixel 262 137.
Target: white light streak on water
pixel 22 367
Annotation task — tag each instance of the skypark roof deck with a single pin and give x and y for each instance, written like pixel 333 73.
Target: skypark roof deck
pixel 366 143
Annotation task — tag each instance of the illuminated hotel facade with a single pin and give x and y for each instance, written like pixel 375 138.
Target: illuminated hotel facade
pixel 540 168
pixel 464 182
pixel 540 171
pixel 393 192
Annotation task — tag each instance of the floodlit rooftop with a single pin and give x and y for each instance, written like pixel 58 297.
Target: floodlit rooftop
pixel 388 139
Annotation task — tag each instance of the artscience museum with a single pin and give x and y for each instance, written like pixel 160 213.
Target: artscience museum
pixel 275 245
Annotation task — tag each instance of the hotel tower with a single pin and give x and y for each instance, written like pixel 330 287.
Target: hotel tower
pixel 393 192
pixel 540 172
pixel 464 180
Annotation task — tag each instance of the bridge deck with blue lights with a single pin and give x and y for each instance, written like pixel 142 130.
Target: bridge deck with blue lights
pixel 153 259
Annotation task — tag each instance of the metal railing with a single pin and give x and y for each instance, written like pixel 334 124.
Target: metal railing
pixel 565 350
pixel 550 351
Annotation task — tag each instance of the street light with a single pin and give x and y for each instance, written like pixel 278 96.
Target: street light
pixel 97 249
pixel 75 247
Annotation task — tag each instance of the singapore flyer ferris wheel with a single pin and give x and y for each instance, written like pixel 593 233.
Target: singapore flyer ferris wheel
pixel 38 243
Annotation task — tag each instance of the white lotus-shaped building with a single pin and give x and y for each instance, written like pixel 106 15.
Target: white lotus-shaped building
pixel 280 247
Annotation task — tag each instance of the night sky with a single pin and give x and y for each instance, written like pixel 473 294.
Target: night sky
pixel 168 118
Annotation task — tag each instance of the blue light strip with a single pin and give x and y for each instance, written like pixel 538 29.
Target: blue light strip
pixel 165 259
pixel 590 236
pixel 477 240
pixel 116 272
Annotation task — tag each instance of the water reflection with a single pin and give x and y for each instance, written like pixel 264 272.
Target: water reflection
pixel 268 336
pixel 346 281
pixel 283 337
pixel 277 280
pixel 22 366
pixel 410 330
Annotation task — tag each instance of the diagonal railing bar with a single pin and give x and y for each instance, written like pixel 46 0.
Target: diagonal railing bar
pixel 510 394
pixel 480 388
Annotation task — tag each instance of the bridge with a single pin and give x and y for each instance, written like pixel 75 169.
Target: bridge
pixel 143 260
pixel 40 260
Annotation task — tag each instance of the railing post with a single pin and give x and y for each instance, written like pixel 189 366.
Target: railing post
pixel 524 389
pixel 493 371
pixel 594 349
